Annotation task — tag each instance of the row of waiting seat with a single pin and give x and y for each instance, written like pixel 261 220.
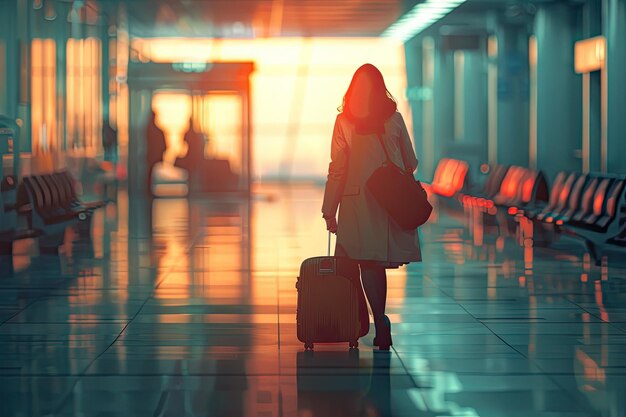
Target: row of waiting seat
pixel 587 206
pixel 510 187
pixel 49 203
pixel 450 177
pixel 53 199
pixel 504 186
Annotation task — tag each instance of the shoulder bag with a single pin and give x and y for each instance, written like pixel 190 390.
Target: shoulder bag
pixel 399 193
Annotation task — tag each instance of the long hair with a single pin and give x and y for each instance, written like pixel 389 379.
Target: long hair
pixel 381 104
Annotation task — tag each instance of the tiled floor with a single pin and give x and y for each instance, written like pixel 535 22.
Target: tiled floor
pixel 195 315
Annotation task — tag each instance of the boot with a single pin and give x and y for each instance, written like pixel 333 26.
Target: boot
pixel 383 333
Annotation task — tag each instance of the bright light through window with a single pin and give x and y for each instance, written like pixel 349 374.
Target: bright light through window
pixel 296 88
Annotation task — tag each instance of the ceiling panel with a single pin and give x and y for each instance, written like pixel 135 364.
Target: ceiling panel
pixel 261 18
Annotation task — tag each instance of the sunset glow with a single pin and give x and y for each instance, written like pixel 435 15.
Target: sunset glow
pixel 296 89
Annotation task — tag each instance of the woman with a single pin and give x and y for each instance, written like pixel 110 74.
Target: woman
pixel 364 231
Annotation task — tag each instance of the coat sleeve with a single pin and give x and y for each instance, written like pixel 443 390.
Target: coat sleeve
pixel 406 146
pixel 337 172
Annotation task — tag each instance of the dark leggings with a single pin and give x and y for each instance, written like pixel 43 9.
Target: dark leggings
pixel 374 278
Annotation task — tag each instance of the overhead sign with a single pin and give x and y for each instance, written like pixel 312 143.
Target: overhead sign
pixel 590 54
pixel 191 66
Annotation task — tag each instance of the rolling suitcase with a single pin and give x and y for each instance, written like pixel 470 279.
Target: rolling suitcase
pixel 331 303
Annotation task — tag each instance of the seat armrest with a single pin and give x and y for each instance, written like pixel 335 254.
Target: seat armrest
pixel 25 209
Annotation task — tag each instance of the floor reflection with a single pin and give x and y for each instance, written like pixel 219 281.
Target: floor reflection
pixel 341 383
pixel 187 307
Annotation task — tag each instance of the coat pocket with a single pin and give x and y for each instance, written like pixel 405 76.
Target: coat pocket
pixel 351 190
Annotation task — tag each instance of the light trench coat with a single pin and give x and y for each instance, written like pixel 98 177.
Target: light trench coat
pixel 365 230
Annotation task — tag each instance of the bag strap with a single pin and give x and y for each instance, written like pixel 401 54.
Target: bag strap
pixel 388 160
pixel 406 166
pixel 382 143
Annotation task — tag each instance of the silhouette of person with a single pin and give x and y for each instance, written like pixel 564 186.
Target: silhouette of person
pixel 155 147
pixel 194 159
pixel 365 232
pixel 109 141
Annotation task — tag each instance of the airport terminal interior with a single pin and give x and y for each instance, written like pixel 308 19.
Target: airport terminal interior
pixel 163 166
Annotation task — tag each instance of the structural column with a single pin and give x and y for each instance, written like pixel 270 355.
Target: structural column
pixel 615 32
pixel 8 94
pixel 559 97
pixel 24 69
pixel 60 36
pixel 474 139
pixel 443 101
pixel 512 95
pixel 105 66
pixel 413 58
pixel 140 105
pixel 593 98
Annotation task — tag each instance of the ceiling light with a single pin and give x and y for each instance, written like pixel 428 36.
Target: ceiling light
pixel 50 14
pixel 420 17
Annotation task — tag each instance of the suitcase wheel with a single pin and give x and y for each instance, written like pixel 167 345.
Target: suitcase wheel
pixel 354 344
pixel 308 346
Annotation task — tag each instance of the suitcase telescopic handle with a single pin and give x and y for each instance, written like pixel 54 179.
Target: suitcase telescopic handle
pixel 328 265
pixel 329 243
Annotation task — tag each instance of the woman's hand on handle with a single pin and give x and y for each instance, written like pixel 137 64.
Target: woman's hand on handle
pixel 331 224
